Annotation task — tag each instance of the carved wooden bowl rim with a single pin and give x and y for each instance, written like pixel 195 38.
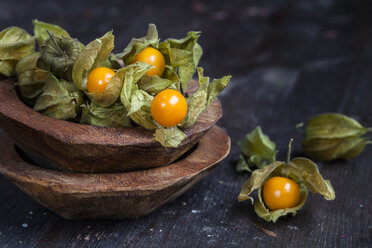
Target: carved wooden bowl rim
pixel 212 148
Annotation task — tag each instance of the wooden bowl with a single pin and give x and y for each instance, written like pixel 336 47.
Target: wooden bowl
pixel 121 195
pixel 68 146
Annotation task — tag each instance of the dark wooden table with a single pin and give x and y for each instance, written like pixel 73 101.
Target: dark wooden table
pixel 289 59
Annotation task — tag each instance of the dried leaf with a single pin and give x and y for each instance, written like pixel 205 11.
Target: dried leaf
pixel 268 232
pixel 113 116
pixel 169 137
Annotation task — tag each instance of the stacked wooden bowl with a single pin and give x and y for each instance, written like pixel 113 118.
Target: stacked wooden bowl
pixel 81 171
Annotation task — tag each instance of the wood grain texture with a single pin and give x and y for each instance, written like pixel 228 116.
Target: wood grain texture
pixel 290 59
pixel 69 146
pixel 118 195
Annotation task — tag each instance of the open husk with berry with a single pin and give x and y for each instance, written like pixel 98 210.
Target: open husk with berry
pixel 301 171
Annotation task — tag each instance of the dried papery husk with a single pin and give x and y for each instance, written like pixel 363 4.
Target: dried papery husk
pixel 257 150
pixel 30 78
pixel 111 94
pixel 183 56
pixel 41 34
pixel 60 99
pixel 58 55
pixel 154 84
pixel 15 44
pixel 137 101
pixel 112 116
pixel 200 100
pixel 301 170
pixel 95 54
pixel 333 136
pixel 169 137
pixel 136 45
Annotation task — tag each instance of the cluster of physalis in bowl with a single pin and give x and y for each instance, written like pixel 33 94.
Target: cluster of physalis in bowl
pixel 145 85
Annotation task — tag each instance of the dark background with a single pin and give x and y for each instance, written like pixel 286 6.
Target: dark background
pixel 289 60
